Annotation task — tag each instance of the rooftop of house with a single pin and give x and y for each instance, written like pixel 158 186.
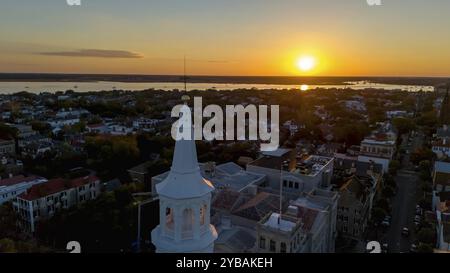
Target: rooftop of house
pixel 294 162
pixel 54 186
pixel 141 168
pixel 258 206
pixel 226 176
pixel 442 142
pixel 225 200
pixel 18 179
pixel 280 222
pixel 383 135
pixel 443 132
pixel 442 167
pixel 358 186
pixel 360 168
pixel 5 140
pixel 237 239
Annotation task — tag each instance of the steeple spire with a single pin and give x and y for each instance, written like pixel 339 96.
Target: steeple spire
pixel 184 203
pixel 184 179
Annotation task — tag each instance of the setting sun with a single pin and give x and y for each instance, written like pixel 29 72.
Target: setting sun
pixel 306 63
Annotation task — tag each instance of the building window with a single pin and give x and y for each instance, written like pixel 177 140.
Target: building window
pixel 188 220
pixel 291 185
pixel 283 248
pixel 284 183
pixel 169 218
pixel 272 246
pixel 262 242
pixel 296 186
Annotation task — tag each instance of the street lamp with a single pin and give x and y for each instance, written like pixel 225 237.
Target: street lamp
pixel 139 204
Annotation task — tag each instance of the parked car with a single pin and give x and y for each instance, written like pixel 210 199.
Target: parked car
pixel 405 232
pixel 385 247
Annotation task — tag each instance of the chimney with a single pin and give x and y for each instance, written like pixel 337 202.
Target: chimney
pixel 292 211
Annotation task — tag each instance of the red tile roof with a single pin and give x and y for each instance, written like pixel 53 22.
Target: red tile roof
pixel 16 180
pixel 258 206
pixel 225 200
pixel 94 126
pixel 54 186
pixel 308 217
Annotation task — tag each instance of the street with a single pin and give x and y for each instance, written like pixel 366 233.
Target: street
pixel 404 203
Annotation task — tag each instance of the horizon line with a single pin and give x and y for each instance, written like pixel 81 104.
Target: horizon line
pixel 237 76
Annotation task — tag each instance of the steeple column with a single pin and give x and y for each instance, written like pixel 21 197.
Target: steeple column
pixel 196 209
pixel 178 222
pixel 208 211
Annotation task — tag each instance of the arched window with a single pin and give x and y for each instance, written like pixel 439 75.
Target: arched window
pixel 188 220
pixel 169 218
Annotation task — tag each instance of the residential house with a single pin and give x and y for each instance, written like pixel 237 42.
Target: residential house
pixel 7 146
pixel 43 200
pixel 11 187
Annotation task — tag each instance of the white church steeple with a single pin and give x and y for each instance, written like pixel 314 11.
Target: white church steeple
pixel 184 201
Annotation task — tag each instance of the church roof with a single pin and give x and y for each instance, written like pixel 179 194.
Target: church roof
pixel 184 180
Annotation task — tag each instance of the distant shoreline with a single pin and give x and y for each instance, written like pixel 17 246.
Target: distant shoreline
pixel 279 80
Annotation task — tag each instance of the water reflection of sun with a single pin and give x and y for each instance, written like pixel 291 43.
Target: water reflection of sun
pixel 304 87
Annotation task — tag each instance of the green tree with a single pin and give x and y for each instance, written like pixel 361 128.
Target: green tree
pixel 378 215
pixel 8 220
pixel 426 236
pixel 425 248
pixel 7 246
pixel 394 166
pixel 403 125
pixel 41 127
pixel 388 192
pixel 425 203
pixel 383 203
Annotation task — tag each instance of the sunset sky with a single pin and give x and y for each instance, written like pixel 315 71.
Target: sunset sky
pixel 226 37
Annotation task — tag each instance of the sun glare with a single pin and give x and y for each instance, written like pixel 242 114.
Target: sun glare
pixel 306 63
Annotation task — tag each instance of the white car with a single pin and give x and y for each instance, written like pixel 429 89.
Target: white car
pixel 405 232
